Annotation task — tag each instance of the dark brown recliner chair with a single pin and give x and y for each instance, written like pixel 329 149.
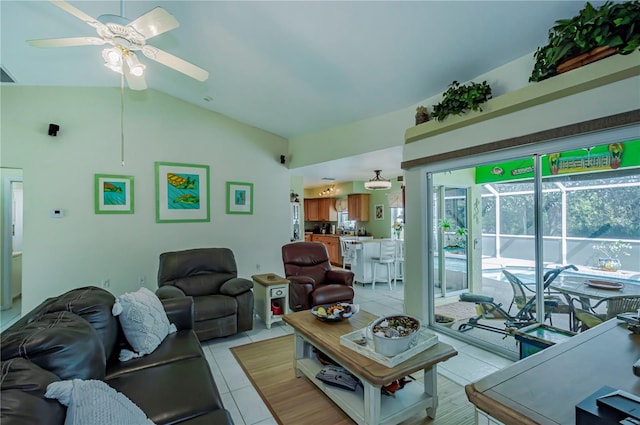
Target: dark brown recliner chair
pixel 312 282
pixel 223 302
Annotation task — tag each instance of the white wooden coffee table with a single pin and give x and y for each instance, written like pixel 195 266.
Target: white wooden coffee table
pixel 366 405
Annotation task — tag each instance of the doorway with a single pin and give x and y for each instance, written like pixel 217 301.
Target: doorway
pixel 11 191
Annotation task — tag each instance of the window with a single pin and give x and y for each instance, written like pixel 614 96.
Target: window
pixel 344 223
pixel 397 223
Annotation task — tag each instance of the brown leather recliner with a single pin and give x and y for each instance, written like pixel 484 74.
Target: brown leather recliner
pixel 312 281
pixel 223 302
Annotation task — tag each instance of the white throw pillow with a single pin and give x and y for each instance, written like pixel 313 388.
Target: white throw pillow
pixel 143 320
pixel 94 402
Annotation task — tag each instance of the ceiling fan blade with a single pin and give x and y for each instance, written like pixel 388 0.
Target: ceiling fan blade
pixel 67 42
pixel 134 82
pixel 155 22
pixel 77 13
pixel 175 62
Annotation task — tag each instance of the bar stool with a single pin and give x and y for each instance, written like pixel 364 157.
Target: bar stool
pixel 386 258
pixel 398 269
pixel 348 252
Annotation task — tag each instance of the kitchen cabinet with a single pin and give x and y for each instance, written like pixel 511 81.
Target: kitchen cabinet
pixel 358 206
pixel 333 247
pixel 320 209
pixel 311 210
pixel 327 209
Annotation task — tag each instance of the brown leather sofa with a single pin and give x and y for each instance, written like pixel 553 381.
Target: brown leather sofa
pixel 223 302
pixel 75 336
pixel 312 281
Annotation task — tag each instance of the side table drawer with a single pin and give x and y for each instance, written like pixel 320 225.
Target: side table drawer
pixel 278 292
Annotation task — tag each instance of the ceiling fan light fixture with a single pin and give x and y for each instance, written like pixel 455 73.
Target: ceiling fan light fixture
pixel 378 182
pixel 112 55
pixel 113 59
pixel 135 67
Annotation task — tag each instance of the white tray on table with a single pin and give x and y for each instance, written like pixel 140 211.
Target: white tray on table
pixel 426 339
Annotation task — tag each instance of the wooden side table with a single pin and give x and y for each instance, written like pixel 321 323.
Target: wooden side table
pixel 269 288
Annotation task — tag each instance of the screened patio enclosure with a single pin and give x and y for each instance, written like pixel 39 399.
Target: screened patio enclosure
pixel 580 205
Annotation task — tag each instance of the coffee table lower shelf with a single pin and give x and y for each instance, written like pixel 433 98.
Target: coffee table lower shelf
pixel 376 408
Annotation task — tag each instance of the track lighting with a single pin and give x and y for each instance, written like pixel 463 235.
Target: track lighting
pixel 328 191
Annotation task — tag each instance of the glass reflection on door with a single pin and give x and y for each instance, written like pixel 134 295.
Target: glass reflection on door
pixel 451 233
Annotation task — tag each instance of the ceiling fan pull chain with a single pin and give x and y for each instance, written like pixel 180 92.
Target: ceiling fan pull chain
pixel 122 118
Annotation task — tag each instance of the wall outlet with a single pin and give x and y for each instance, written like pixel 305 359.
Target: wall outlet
pixel 106 283
pixel 142 280
pixel 258 267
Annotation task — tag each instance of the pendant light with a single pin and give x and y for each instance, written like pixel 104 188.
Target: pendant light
pixel 378 182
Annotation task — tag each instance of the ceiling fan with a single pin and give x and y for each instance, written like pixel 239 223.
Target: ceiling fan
pixel 126 38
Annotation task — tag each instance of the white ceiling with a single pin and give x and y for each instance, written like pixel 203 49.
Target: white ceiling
pixel 294 67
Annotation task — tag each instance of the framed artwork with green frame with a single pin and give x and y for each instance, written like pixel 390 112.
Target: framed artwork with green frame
pixel 182 192
pixel 113 194
pixel 239 198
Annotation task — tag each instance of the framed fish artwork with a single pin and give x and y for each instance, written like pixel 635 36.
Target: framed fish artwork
pixel 182 192
pixel 239 198
pixel 113 194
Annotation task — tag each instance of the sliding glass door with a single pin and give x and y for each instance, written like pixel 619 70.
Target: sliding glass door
pixel 498 228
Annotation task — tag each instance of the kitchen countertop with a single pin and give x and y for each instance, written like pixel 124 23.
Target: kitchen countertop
pixel 335 235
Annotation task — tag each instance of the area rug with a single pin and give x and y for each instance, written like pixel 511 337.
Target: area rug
pixel 296 401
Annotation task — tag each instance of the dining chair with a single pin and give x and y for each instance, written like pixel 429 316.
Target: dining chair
pixel 386 258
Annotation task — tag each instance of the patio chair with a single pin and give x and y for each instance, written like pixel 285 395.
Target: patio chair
pixel 522 294
pixel 488 308
pixel 586 316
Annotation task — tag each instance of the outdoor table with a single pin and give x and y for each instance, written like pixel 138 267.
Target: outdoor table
pixel 578 286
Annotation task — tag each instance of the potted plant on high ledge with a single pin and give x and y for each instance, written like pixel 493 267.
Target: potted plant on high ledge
pixel 460 98
pixel 612 252
pixel 594 34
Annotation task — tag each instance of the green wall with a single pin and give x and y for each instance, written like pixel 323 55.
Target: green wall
pixel 83 248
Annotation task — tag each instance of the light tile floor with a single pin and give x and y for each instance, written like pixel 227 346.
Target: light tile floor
pixel 245 404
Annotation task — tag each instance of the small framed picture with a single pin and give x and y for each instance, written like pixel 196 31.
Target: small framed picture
pixel 239 198
pixel 182 192
pixel 113 194
pixel 380 212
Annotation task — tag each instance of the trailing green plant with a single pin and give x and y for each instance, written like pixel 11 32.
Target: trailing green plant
pixel 612 24
pixel 460 98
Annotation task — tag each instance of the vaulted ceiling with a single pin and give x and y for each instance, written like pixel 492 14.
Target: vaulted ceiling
pixel 292 67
